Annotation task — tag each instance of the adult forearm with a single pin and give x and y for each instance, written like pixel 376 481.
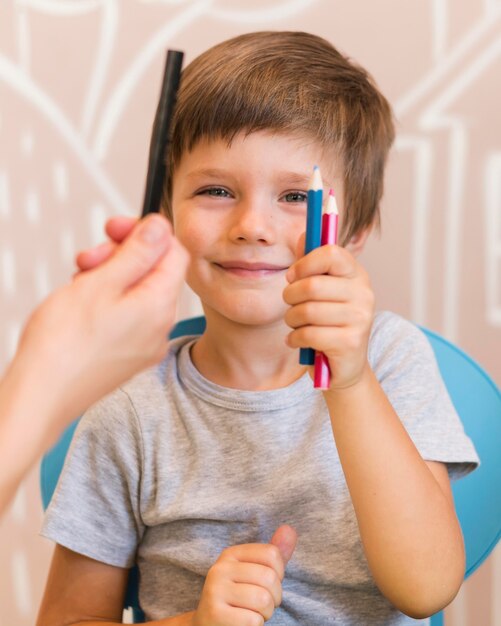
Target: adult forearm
pixel 407 522
pixel 25 431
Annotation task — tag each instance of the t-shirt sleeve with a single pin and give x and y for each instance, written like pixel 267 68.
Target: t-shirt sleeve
pixel 95 510
pixel 405 365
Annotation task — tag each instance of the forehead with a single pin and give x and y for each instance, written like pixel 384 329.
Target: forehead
pixel 286 155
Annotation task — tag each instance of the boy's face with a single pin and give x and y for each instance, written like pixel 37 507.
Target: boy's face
pixel 240 210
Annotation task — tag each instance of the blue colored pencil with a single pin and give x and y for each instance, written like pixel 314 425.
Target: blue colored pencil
pixel 313 238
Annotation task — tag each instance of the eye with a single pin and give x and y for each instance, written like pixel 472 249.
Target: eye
pixel 295 196
pixel 215 192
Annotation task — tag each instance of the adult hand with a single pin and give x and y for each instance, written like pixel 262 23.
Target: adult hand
pixel 112 321
pixel 244 586
pixel 117 228
pixel 85 339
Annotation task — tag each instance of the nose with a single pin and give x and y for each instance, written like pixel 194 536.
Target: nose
pixel 252 222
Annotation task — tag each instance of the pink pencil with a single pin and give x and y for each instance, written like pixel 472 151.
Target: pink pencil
pixel 330 218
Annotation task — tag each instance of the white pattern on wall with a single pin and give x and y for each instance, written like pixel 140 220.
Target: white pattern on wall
pixel 78 86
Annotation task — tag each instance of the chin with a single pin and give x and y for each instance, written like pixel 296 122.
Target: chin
pixel 251 314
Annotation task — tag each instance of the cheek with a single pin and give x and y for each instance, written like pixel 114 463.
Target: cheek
pixel 195 241
pixel 193 234
pixel 297 237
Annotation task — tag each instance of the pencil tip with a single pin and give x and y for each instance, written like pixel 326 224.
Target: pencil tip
pixel 316 180
pixel 331 204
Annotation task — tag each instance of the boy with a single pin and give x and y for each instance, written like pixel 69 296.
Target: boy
pixel 207 470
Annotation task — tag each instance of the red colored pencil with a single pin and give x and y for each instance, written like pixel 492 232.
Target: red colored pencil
pixel 330 219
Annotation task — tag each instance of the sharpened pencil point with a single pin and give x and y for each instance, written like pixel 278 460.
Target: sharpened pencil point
pixel 316 180
pixel 331 206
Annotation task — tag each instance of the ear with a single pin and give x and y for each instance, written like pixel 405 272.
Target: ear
pixel 357 242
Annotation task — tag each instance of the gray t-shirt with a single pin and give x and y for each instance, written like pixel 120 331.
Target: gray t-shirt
pixel 171 469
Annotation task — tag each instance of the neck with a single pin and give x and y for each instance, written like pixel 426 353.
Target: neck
pixel 252 358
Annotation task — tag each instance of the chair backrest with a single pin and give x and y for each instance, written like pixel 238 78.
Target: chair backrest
pixel 477 496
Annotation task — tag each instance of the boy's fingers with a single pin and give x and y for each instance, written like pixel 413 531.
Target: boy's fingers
pixel 119 227
pixel 258 553
pixel 330 259
pixel 139 253
pixel 323 314
pixel 319 287
pixel 244 597
pixel 259 576
pixel 285 539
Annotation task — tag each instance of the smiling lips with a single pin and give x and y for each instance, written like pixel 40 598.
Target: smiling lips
pixel 251 270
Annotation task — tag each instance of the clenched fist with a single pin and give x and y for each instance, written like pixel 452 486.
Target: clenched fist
pixel 244 586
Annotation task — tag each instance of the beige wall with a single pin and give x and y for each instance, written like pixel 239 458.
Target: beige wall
pixel 78 86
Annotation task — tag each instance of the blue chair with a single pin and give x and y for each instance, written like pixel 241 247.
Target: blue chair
pixel 477 497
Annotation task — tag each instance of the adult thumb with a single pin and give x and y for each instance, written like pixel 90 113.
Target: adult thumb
pixel 285 539
pixel 139 253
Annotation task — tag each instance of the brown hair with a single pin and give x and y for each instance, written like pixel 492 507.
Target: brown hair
pixel 289 82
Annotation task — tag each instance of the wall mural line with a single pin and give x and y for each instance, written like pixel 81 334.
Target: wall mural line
pixel 78 86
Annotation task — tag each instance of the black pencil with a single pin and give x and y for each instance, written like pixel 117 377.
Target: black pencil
pixel 160 135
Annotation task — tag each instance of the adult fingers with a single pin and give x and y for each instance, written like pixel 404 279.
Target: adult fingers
pixel 91 258
pixel 139 253
pixel 119 227
pixel 165 279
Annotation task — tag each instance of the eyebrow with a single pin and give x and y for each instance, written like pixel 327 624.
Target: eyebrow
pixel 292 178
pixel 209 172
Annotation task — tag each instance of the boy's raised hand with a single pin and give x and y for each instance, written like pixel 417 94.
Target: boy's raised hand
pixel 244 586
pixel 331 310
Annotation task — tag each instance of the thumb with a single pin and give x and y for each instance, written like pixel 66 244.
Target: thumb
pixel 299 251
pixel 300 246
pixel 285 539
pixel 139 253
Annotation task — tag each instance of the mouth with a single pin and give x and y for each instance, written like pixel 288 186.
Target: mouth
pixel 245 269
